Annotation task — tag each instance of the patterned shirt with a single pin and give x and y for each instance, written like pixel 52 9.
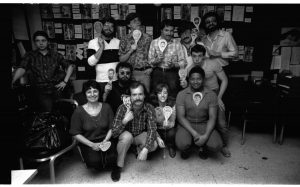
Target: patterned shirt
pixel 139 58
pixel 172 52
pixel 223 43
pixel 143 120
pixel 47 68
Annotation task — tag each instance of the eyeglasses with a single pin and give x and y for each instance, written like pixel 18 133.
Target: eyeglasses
pixel 125 72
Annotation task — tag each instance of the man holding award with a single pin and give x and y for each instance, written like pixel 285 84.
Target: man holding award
pixel 134 50
pixel 166 56
pixel 134 123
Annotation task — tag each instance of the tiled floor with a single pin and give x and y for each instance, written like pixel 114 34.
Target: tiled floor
pixel 258 161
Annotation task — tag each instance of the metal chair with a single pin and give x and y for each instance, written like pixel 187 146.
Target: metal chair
pixel 261 105
pixel 66 106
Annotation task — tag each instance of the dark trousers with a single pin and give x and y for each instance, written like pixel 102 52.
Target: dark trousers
pixel 168 135
pixel 98 159
pixel 169 77
pixel 42 99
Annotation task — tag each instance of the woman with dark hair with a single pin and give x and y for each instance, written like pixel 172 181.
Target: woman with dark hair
pixel 91 126
pixel 165 128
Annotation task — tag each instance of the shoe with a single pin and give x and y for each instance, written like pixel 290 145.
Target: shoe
pixel 172 152
pixel 225 152
pixel 203 153
pixel 116 174
pixel 185 155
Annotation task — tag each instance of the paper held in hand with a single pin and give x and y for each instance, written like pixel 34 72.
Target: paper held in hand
pixel 110 74
pixel 104 146
pixel 197 97
pixel 136 34
pixel 126 101
pixel 182 72
pixel 162 44
pixel 167 111
pixel 197 21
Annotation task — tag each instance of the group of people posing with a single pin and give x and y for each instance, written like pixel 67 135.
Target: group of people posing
pixel 146 95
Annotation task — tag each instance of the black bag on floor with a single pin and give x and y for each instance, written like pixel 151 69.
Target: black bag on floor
pixel 47 134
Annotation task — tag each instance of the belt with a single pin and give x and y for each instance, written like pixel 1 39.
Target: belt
pixel 142 69
pixel 166 69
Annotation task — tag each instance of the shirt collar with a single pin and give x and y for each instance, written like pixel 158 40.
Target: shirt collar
pixel 169 42
pixel 189 90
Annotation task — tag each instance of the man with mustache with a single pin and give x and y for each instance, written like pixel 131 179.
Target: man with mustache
pixel 103 51
pixel 113 92
pixel 134 125
pixel 166 63
pixel 219 44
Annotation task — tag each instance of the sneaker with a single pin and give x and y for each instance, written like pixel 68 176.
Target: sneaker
pixel 203 153
pixel 116 174
pixel 172 152
pixel 185 155
pixel 225 152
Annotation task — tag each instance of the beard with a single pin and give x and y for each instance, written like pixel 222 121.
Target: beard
pixel 108 35
pixel 124 82
pixel 211 29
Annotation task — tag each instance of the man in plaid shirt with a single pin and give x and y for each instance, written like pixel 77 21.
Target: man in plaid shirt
pixel 136 125
pixel 166 64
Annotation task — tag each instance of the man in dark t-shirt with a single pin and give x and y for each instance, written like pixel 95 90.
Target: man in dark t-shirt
pixel 113 92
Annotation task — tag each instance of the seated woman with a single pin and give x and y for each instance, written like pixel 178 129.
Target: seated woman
pixel 165 129
pixel 91 126
pixel 196 108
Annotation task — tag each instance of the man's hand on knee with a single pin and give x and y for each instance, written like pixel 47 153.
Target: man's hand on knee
pixel 143 154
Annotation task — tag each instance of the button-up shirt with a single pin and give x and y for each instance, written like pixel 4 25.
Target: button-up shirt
pixel 139 58
pixel 143 120
pixel 173 52
pixel 194 113
pixel 47 68
pixel 223 43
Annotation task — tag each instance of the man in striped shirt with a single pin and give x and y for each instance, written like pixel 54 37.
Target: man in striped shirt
pixel 103 52
pixel 135 124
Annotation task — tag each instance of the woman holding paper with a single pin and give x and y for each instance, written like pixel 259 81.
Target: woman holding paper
pixel 165 118
pixel 91 126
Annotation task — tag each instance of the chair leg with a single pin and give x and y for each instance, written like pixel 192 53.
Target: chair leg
pixel 21 163
pixel 79 150
pixel 52 170
pixel 281 135
pixel 243 133
pixel 275 133
pixel 229 118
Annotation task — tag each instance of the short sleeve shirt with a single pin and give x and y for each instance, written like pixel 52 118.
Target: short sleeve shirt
pixel 194 113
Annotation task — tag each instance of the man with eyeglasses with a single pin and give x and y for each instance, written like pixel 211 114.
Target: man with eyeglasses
pixel 113 92
pixel 103 52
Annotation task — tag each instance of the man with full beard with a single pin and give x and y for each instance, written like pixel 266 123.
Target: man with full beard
pixel 103 51
pixel 113 92
pixel 219 44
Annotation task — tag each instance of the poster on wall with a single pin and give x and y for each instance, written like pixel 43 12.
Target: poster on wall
pixel 68 31
pixel 290 36
pixel 48 27
pixel 46 11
